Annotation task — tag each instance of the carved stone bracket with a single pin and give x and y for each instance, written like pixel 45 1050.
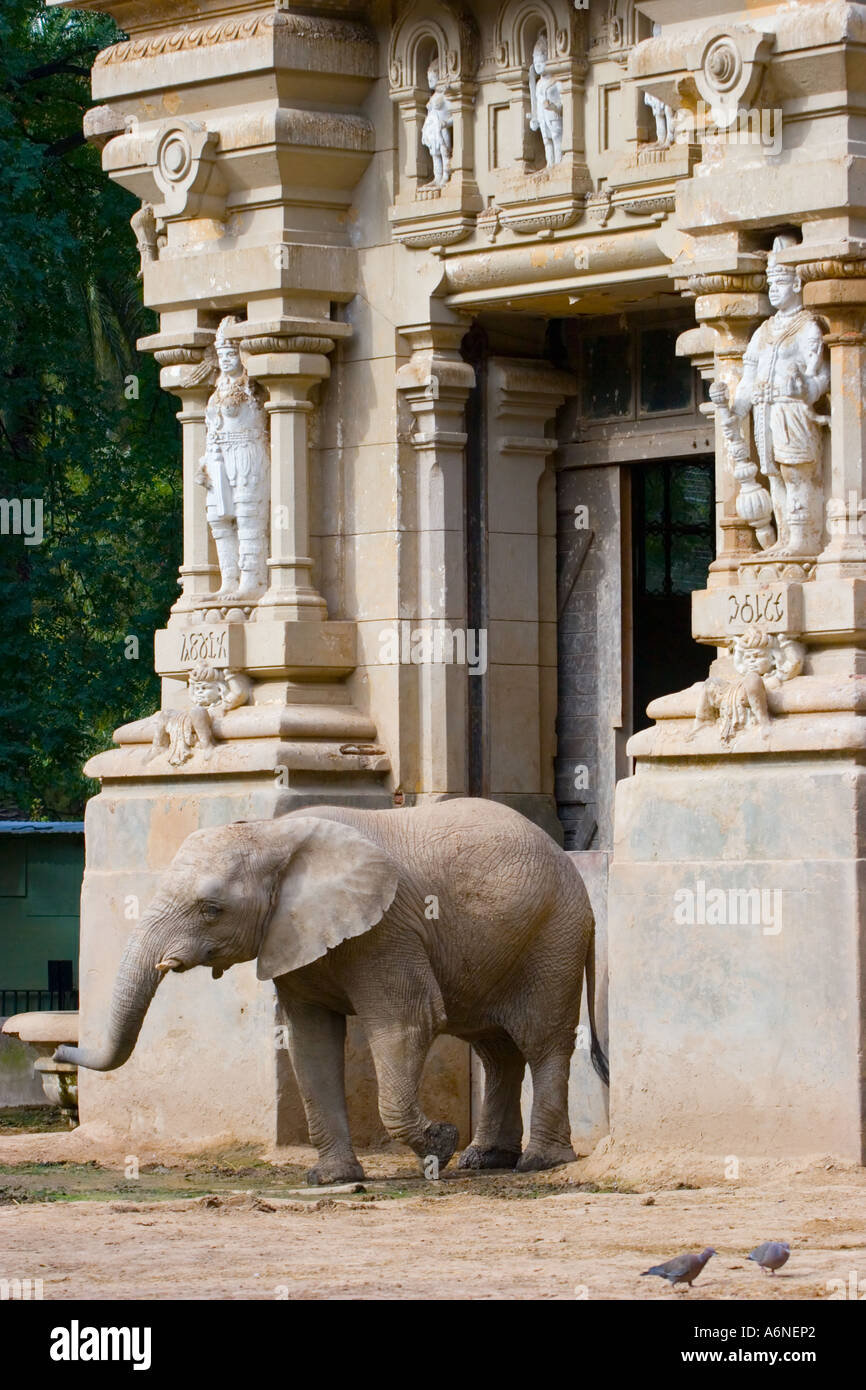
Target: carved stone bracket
pixel 174 168
pixel 728 65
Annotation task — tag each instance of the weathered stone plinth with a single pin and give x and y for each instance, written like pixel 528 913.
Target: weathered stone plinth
pixel 736 963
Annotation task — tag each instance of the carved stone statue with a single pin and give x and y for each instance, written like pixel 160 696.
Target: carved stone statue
pixel 785 372
pixel 545 98
pixel 146 228
pixel 762 661
pixel 211 691
pixel 664 118
pixel 436 130
pixel 235 470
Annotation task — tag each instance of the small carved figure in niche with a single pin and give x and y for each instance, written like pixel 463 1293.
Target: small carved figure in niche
pixel 762 661
pixel 235 470
pixel 211 691
pixel 664 118
pixel 545 98
pixel 785 371
pixel 436 130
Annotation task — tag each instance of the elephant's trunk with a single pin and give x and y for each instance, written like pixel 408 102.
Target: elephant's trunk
pixel 135 985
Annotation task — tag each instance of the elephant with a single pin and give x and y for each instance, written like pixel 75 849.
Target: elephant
pixel 458 916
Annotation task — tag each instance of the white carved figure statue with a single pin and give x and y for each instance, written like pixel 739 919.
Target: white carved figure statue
pixel 762 661
pixel 664 118
pixel 211 691
pixel 235 470
pixel 545 103
pixel 785 372
pixel 436 130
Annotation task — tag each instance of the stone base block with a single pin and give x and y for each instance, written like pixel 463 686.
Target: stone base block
pixel 736 956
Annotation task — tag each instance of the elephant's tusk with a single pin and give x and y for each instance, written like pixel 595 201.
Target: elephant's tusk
pixel 165 965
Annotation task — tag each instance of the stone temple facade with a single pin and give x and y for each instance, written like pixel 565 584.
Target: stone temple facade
pixel 519 355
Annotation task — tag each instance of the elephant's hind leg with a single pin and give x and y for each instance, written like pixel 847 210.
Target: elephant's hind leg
pixel 498 1136
pixel 317 1043
pixel 549 1129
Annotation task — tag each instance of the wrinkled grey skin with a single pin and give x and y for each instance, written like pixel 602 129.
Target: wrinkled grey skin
pixel 339 906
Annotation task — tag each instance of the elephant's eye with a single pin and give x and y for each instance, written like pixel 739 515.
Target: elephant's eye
pixel 210 910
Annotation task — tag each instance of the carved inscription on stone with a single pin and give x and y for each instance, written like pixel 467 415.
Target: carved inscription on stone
pixel 766 608
pixel 205 644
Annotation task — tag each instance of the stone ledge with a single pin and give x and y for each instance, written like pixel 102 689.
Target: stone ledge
pixel 261 648
pixel 260 757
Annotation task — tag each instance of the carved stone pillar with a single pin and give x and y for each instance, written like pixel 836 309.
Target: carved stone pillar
pixel 180 356
pixel 732 305
pixel 524 396
pixel 288 358
pixel 837 291
pixel 436 383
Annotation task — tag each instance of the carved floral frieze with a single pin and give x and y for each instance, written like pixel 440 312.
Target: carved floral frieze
pixel 232 31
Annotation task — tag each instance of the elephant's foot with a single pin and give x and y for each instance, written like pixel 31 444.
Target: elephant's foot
pixel 534 1159
pixel 331 1170
pixel 439 1141
pixel 474 1157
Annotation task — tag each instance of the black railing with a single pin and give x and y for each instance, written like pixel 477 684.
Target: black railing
pixel 25 1001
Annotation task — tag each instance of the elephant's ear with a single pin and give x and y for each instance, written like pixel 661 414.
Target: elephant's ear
pixel 334 884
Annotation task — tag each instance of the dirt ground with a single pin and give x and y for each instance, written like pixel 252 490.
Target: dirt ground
pixel 239 1225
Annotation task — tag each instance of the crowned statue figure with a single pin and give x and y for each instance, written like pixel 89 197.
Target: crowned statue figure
pixel 235 470
pixel 785 373
pixel 545 103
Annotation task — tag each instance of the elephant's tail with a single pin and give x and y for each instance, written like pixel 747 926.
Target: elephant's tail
pixel 596 1052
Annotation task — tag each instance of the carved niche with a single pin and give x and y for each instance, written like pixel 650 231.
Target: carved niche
pixel 540 54
pixel 618 31
pixel 432 64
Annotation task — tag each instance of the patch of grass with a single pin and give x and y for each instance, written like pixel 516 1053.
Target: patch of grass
pixel 33 1119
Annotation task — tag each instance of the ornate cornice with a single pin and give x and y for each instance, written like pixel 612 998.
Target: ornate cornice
pixel 231 30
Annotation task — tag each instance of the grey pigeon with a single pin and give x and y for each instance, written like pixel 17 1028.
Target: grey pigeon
pixel 771 1255
pixel 682 1269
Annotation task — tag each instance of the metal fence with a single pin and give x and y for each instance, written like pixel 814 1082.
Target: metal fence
pixel 24 1001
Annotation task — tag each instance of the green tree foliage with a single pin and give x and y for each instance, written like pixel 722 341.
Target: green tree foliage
pixel 83 426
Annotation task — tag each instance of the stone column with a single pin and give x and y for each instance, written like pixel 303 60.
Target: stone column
pixel 524 396
pixel 180 356
pixel 837 291
pixel 436 383
pixel 732 305
pixel 289 366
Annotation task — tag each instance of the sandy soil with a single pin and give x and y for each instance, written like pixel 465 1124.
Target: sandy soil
pixel 546 1236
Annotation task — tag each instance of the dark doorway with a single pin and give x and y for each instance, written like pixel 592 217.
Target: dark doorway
pixel 60 985
pixel 673 534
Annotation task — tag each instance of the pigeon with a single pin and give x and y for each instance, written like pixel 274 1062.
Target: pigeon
pixel 682 1269
pixel 771 1255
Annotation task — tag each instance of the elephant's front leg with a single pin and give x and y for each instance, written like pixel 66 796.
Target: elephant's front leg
pixel 317 1047
pixel 399 1052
